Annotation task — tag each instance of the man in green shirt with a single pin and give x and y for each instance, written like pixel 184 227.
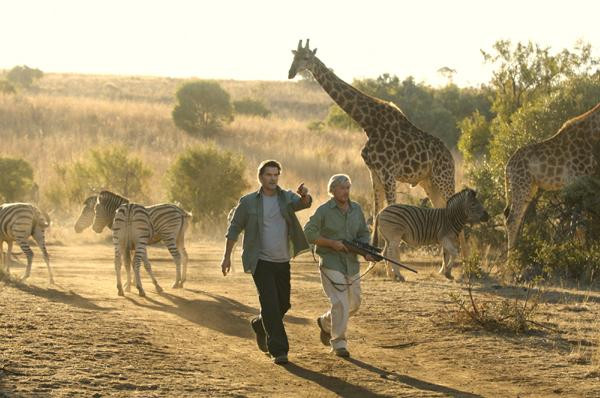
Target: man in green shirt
pixel 335 220
pixel 272 234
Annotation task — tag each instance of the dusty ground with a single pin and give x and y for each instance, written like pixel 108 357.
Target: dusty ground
pixel 78 338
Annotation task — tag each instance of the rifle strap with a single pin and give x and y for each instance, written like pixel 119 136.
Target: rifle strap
pixel 347 285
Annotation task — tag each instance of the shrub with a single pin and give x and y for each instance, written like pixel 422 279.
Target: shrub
pixel 16 180
pixel 6 87
pixel 23 75
pixel 202 107
pixel 252 107
pixel 208 181
pixel 112 168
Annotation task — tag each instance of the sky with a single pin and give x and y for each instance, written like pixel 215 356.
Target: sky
pixel 252 39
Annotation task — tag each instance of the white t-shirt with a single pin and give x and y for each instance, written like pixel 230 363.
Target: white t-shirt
pixel 274 242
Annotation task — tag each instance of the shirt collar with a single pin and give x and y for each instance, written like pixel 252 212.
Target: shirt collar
pixel 259 192
pixel 333 204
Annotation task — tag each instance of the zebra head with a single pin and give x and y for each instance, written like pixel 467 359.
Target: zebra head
pixel 105 207
pixel 86 218
pixel 466 200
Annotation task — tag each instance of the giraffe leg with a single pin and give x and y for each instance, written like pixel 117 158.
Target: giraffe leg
pixel 40 239
pixel 378 193
pixel 390 190
pixel 521 197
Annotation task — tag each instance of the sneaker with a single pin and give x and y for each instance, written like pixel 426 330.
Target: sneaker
pixel 342 352
pixel 261 337
pixel 280 359
pixel 325 336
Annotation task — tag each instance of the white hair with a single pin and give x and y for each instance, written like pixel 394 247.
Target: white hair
pixel 336 180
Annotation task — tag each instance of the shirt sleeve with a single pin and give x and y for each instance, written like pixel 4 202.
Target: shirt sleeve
pixel 312 229
pixel 238 222
pixel 363 235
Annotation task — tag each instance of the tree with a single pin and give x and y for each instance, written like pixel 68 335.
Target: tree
pixel 112 168
pixel 16 180
pixel 202 107
pixel 24 75
pixel 6 87
pixel 208 181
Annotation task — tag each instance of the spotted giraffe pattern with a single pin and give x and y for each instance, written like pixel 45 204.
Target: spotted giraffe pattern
pixel 396 150
pixel 550 165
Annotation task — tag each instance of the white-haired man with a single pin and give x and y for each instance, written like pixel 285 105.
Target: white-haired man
pixel 335 220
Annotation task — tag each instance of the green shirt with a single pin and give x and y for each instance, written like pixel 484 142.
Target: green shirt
pixel 330 222
pixel 248 217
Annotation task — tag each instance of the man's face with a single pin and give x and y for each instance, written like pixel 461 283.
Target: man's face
pixel 341 193
pixel 269 178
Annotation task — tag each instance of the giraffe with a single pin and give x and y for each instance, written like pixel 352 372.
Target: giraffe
pixel 551 164
pixel 396 150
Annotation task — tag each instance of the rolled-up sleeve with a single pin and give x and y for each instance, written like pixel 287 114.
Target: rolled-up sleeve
pixel 238 222
pixel 297 203
pixel 312 229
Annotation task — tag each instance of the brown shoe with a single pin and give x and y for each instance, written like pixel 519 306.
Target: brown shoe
pixel 325 336
pixel 280 359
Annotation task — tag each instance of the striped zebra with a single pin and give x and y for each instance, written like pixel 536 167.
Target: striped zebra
pixel 169 222
pixel 417 226
pixel 19 221
pixel 132 230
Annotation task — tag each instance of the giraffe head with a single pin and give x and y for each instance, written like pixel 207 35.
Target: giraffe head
pixel 302 57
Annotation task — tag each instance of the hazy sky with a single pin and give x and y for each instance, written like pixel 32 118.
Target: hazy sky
pixel 252 39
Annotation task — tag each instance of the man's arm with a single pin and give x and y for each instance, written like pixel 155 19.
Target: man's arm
pixel 237 224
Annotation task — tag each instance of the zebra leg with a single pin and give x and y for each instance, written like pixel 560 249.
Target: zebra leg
pixel 171 245
pixel 7 258
pixel 118 270
pixel 27 250
pixel 184 257
pixel 127 258
pixel 393 254
pixel 148 268
pixel 136 271
pixel 450 251
pixel 40 239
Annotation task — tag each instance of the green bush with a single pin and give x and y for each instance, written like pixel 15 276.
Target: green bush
pixel 208 181
pixel 16 180
pixel 248 106
pixel 202 108
pixel 112 169
pixel 6 87
pixel 24 75
pixel 340 119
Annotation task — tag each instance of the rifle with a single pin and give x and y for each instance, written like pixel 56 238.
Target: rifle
pixel 365 249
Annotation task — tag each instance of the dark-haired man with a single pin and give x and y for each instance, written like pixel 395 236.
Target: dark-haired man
pixel 272 235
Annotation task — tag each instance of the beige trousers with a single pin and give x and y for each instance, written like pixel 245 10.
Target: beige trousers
pixel 345 301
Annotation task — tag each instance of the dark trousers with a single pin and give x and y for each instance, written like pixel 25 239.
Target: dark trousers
pixel 272 281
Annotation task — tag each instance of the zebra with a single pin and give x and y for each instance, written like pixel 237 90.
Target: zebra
pixel 417 226
pixel 168 220
pixel 19 221
pixel 132 230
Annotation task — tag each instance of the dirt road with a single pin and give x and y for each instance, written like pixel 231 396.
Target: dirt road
pixel 78 338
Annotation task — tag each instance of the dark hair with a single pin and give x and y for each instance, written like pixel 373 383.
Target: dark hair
pixel 268 163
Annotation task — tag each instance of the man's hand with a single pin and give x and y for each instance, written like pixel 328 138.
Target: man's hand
pixel 338 246
pixel 302 190
pixel 370 258
pixel 226 265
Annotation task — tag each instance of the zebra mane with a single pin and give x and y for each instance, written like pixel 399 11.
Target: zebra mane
pixel 107 195
pixel 459 195
pixel 90 200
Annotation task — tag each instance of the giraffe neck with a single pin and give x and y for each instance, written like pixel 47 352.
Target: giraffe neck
pixel 341 92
